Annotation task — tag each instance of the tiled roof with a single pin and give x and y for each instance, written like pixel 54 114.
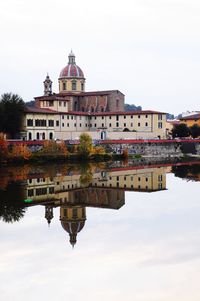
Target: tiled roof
pixel 45 110
pixel 60 96
pixel 39 110
pixel 191 117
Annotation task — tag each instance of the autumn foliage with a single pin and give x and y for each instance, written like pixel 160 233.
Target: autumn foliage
pixel 54 148
pixel 20 151
pixel 3 148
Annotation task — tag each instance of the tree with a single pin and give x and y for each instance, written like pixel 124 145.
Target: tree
pixel 195 131
pixel 11 113
pixel 180 130
pixel 85 146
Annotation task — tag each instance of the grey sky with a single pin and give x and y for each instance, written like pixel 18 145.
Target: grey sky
pixel 148 49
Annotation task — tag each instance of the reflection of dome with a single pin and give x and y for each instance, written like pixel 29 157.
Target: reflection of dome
pixel 71 70
pixel 72 220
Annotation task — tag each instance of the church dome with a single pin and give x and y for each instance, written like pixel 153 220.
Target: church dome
pixel 72 220
pixel 71 70
pixel 73 227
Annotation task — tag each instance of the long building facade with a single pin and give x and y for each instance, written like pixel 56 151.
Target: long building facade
pixel 72 111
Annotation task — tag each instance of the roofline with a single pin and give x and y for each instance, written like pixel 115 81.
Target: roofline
pixel 125 113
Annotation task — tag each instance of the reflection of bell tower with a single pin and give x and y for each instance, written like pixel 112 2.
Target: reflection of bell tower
pixel 47 86
pixel 48 213
pixel 72 220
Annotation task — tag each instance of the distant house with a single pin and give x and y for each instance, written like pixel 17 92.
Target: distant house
pixel 191 120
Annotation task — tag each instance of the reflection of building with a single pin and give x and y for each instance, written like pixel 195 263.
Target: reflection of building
pixel 72 220
pixel 106 190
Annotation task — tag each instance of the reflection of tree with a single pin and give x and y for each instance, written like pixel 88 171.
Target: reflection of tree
pixel 187 171
pixel 11 203
pixel 86 174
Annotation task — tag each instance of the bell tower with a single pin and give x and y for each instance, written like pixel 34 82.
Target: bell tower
pixel 47 86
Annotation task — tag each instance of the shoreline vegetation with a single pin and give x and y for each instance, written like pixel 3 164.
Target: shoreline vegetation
pixel 83 152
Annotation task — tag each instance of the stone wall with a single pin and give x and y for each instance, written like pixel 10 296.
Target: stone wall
pixel 173 149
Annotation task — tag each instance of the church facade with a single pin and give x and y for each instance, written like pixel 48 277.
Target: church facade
pixel 65 115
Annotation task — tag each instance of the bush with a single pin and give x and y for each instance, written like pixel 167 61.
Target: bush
pixel 125 153
pixel 3 148
pixel 20 152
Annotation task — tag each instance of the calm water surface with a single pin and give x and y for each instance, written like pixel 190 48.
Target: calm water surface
pixel 100 232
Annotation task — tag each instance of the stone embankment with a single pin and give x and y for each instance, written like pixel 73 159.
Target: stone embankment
pixel 157 148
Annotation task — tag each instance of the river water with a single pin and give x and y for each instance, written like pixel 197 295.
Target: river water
pixel 100 232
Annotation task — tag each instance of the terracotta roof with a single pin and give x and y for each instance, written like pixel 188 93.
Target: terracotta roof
pixel 39 110
pixel 45 110
pixel 60 96
pixel 191 117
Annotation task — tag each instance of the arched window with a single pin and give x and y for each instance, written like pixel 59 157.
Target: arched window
pixel 29 136
pixel 64 86
pixel 82 86
pixel 43 136
pixel 38 136
pixel 50 136
pixel 73 86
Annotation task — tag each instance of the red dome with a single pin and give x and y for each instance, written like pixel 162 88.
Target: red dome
pixel 72 70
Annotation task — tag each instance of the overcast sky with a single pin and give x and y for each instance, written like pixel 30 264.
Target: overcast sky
pixel 147 49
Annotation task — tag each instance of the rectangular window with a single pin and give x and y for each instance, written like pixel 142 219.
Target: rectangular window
pixel 74 124
pixel 160 125
pixel 117 117
pixel 138 123
pixel 124 117
pixel 30 192
pixel 51 190
pixel 124 124
pixel 60 103
pixel 62 124
pixel 146 123
pixel 159 116
pixel 57 122
pixel 71 117
pixel 86 124
pixel 138 116
pixel 51 122
pixel 67 124
pixel 64 103
pixel 67 116
pixel 95 117
pixel 117 124
pixel 131 124
pixel 63 116
pixel 146 116
pixel 80 125
pixel 110 125
pixel 110 117
pixel 95 125
pixel 102 117
pixel 102 125
pixel 29 122
pixel 131 116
